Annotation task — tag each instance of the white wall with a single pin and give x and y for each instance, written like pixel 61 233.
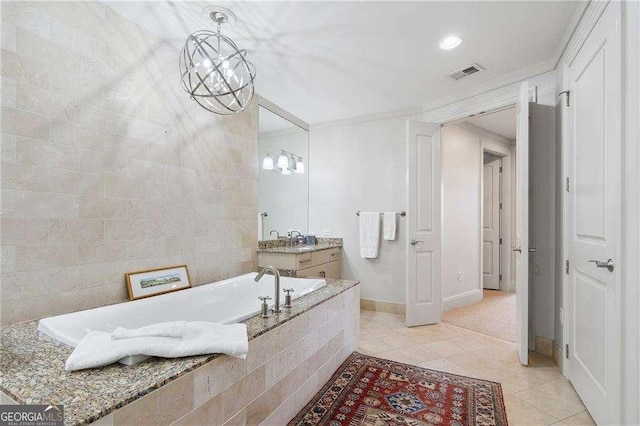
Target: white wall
pixel 461 166
pixel 284 197
pixel 362 166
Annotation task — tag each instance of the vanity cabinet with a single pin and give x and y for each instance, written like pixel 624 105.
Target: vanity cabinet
pixel 313 264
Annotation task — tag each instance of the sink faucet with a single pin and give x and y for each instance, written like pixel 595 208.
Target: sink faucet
pixel 276 275
pixel 277 234
pixel 292 240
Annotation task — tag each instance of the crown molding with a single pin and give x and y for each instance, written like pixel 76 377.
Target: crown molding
pixel 405 112
pixel 587 22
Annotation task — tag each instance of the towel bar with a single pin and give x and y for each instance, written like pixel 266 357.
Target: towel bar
pixel 401 214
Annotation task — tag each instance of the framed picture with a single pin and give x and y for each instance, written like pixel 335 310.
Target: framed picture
pixel 157 281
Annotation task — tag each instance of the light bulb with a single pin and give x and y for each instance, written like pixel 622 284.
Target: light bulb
pixel 283 162
pixel 267 163
pixel 299 166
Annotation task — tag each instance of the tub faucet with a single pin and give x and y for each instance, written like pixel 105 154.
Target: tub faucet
pixel 276 275
pixel 277 234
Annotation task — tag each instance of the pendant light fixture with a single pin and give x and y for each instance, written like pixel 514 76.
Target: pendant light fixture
pixel 214 70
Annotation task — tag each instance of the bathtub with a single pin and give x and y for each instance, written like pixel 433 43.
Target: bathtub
pixel 229 301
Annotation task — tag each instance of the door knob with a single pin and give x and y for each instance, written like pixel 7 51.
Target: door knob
pixel 532 249
pixel 518 249
pixel 414 242
pixel 608 264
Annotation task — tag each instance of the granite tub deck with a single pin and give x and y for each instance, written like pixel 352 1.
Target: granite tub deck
pixel 279 246
pixel 311 338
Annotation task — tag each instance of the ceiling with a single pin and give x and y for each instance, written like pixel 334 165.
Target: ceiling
pixel 501 122
pixel 324 61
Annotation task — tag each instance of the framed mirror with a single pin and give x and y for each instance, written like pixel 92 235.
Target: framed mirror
pixel 283 172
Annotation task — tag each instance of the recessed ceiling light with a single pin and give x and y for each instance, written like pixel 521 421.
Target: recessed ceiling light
pixel 450 42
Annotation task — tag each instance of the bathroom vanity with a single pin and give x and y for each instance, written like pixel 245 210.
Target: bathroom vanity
pixel 321 260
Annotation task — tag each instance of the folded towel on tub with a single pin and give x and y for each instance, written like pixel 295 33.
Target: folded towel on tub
pixel 163 329
pixel 98 349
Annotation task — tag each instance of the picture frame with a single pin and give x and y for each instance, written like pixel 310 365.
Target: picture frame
pixel 152 282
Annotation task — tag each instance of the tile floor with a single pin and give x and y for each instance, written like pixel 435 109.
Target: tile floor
pixel 534 395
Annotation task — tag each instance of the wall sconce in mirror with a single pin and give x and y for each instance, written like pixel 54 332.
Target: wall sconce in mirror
pixel 287 163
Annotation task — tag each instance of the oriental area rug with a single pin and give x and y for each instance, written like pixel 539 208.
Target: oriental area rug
pixel 374 392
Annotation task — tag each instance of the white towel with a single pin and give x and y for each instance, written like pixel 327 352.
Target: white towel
pixel 97 348
pixel 163 329
pixel 389 225
pixel 369 234
pixel 260 233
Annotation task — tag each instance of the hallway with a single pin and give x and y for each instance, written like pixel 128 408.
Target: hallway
pixel 494 315
pixel 533 395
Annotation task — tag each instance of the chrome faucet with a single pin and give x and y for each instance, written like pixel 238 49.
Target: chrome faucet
pixel 277 234
pixel 291 239
pixel 276 275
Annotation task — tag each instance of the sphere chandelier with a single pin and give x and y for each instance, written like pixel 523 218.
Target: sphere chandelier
pixel 214 71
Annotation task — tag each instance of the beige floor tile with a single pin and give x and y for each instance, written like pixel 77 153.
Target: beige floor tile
pixel 469 343
pixel 364 335
pixel 445 349
pixel 474 361
pixel 398 341
pixel 557 398
pixel 377 330
pixel 521 413
pixel 396 356
pixel 582 419
pixel 419 354
pixel 373 346
pixel 446 366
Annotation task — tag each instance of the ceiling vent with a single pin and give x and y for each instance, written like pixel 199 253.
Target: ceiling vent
pixel 467 71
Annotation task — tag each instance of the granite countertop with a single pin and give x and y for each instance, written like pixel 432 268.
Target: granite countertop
pixel 279 246
pixel 32 366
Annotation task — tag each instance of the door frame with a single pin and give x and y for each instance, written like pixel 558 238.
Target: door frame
pixel 507 205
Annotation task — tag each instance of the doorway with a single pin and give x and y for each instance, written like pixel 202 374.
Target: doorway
pixel 478 219
pixel 427 289
pixel 492 221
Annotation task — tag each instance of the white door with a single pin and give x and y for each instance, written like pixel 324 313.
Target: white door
pixel 522 225
pixel 491 225
pixel 593 221
pixel 424 305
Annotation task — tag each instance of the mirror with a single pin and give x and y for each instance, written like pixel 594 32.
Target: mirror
pixel 283 174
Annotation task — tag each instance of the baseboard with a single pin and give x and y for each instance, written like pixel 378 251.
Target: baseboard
pixel 544 346
pixel 462 299
pixel 386 307
pixel 557 355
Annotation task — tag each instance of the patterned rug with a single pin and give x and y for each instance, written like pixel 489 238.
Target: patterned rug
pixel 375 392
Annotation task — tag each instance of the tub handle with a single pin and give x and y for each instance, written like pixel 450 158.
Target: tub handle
pixel 264 311
pixel 287 297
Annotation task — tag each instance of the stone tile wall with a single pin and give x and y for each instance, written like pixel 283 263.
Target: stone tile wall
pixel 107 166
pixel 284 369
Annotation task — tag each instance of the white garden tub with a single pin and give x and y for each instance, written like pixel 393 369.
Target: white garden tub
pixel 229 301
